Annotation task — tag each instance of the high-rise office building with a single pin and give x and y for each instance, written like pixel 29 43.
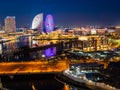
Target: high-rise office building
pixel 10 24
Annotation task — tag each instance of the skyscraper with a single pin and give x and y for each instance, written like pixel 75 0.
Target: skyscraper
pixel 10 24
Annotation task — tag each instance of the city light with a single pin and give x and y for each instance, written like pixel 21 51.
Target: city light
pixel 77 46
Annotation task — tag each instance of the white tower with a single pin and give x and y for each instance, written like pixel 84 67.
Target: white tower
pixel 38 22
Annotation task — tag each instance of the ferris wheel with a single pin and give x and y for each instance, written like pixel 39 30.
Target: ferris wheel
pixel 49 23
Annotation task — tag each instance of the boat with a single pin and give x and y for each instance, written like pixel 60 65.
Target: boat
pixel 85 75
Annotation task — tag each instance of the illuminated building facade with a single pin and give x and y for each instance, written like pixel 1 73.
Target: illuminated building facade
pixel 38 22
pixel 117 29
pixel 89 31
pixel 10 24
pixel 93 43
pixel 49 23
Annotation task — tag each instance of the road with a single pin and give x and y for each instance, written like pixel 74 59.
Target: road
pixel 32 67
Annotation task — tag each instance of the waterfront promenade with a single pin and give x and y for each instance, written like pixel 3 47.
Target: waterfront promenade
pixel 32 67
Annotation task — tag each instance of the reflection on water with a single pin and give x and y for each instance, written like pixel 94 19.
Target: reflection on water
pixel 47 53
pixel 66 87
pixel 13 45
pixel 50 52
pixel 75 88
pixel 24 41
pixel 71 87
pixel 7 50
pixel 39 84
pixel 0 48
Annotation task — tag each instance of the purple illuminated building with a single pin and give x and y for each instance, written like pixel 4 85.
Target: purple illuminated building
pixel 49 23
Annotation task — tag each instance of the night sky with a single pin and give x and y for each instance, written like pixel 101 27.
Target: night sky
pixel 65 12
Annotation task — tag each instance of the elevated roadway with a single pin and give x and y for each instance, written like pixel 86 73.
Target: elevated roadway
pixel 32 67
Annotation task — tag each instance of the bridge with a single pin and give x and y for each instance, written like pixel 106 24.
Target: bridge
pixel 56 39
pixel 32 67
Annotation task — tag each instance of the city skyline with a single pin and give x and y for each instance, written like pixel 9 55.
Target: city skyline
pixel 65 13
